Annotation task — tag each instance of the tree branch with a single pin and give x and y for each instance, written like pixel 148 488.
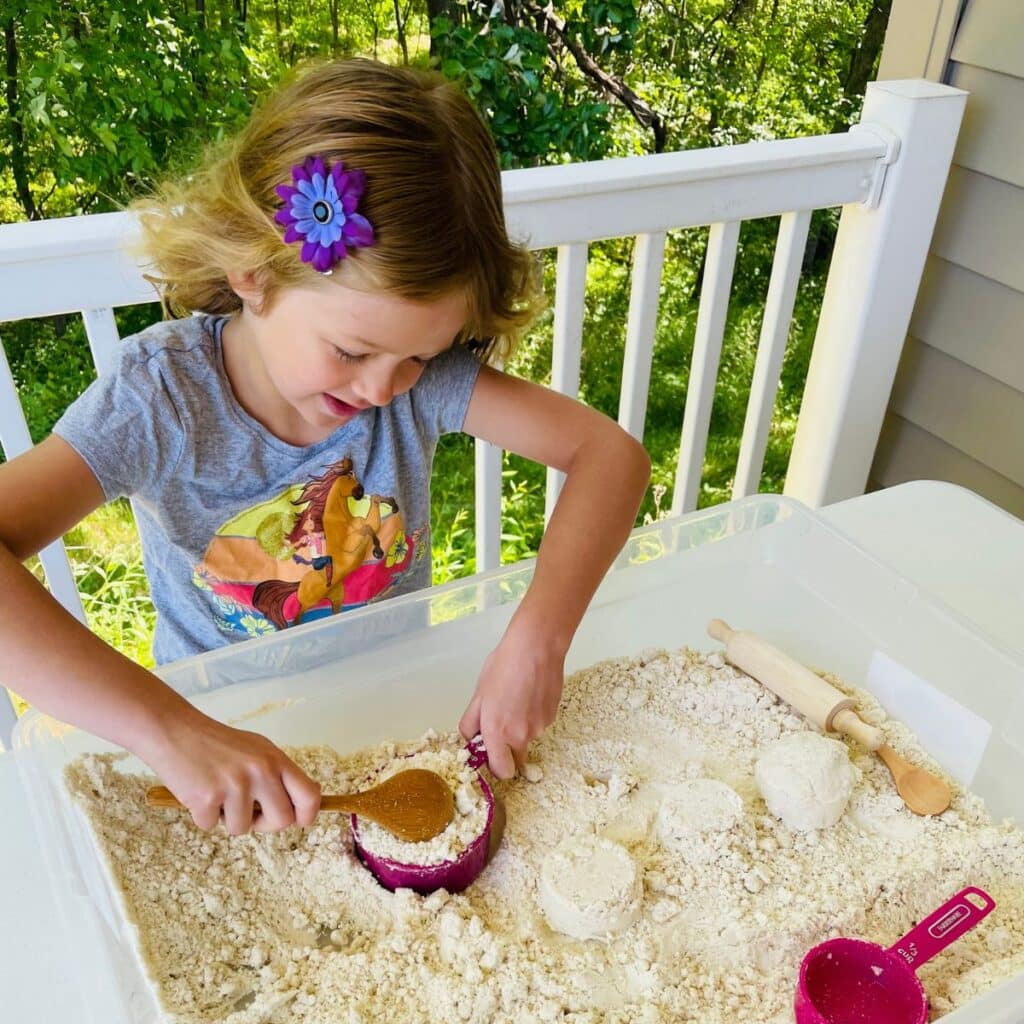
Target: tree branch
pixel 19 164
pixel 607 83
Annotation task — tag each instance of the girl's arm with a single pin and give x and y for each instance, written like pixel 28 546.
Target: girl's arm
pixel 58 665
pixel 607 472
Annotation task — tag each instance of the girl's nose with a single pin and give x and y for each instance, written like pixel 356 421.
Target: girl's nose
pixel 377 383
pixel 380 381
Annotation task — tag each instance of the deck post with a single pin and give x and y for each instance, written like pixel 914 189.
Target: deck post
pixel 872 284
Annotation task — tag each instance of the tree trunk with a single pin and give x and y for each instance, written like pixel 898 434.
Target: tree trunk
pixel 400 30
pixel 371 8
pixel 442 9
pixel 19 163
pixel 865 56
pixel 332 6
pixel 763 63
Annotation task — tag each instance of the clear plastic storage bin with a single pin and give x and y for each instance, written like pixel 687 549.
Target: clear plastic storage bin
pixel 394 669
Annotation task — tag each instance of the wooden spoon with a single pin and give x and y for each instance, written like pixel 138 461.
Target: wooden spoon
pixel 414 804
pixel 921 791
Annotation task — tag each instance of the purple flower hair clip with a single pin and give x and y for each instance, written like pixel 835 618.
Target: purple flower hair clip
pixel 320 211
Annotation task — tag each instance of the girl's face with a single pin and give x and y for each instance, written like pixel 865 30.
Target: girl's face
pixel 328 352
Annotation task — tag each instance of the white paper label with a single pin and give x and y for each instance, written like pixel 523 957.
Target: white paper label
pixel 954 735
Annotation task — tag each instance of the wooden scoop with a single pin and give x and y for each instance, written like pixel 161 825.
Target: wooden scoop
pixel 921 791
pixel 830 710
pixel 414 804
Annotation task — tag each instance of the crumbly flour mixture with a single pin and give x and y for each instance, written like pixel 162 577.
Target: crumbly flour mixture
pixel 291 929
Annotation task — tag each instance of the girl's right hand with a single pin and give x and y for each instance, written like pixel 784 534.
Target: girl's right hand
pixel 220 772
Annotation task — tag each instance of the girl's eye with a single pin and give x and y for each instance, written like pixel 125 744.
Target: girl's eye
pixel 346 357
pixel 353 357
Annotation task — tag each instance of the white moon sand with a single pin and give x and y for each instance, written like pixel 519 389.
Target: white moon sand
pixel 806 780
pixel 589 887
pixel 695 807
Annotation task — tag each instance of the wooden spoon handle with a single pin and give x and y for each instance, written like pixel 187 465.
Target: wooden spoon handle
pixel 796 684
pixel 347 804
pixel 161 796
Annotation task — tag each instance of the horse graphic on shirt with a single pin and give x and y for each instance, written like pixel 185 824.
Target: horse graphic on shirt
pixel 349 540
pixel 318 547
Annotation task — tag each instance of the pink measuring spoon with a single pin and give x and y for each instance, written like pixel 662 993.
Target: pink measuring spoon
pixel 850 981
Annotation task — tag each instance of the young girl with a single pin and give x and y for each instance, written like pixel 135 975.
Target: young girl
pixel 347 251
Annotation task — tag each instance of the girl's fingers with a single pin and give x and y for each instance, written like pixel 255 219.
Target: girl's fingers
pixel 500 758
pixel 502 761
pixel 303 793
pixel 469 724
pixel 205 815
pixel 238 811
pixel 276 810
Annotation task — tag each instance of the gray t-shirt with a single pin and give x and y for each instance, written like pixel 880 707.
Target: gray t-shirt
pixel 243 533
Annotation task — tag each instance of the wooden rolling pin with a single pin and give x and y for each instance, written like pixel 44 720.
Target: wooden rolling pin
pixel 812 696
pixel 923 792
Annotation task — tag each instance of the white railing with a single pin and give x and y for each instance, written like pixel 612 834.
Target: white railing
pixel 887 173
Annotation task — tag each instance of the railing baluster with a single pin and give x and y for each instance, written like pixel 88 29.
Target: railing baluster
pixel 8 719
pixel 707 348
pixel 570 293
pixel 101 330
pixel 487 491
pixel 778 314
pixel 14 435
pixel 645 286
pixel 15 438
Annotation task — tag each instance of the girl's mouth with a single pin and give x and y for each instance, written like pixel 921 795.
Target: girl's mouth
pixel 338 408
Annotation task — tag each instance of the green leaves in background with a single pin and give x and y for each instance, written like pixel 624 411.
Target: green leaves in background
pixel 505 71
pixel 102 97
pixel 108 97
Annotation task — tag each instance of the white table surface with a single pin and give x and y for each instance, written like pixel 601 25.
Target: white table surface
pixel 948 541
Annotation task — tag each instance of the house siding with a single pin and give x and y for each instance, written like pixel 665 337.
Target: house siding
pixel 907 452
pixel 957 407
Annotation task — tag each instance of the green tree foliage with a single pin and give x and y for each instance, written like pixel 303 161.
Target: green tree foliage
pixel 506 71
pixel 105 97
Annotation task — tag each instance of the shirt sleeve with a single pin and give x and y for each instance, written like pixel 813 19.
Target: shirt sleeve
pixel 441 396
pixel 125 425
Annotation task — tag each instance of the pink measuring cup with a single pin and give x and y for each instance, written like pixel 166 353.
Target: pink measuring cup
pixel 453 875
pixel 849 981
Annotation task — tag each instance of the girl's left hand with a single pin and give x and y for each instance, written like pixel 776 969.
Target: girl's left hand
pixel 516 699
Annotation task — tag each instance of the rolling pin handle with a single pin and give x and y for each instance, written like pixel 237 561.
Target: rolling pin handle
pixel 850 723
pixel 720 631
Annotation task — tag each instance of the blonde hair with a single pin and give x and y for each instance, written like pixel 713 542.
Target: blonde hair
pixel 433 196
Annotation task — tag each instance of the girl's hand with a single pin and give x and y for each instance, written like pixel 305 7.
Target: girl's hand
pixel 516 699
pixel 215 771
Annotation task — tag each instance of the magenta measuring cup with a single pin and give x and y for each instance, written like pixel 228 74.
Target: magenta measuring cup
pixel 452 875
pixel 850 981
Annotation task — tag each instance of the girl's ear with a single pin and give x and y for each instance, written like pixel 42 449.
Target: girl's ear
pixel 247 287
